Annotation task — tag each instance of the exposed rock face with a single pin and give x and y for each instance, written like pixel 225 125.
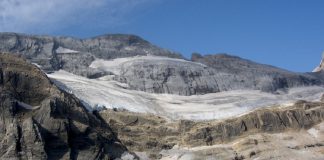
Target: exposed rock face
pixel 221 73
pixel 214 73
pixel 152 133
pixel 39 121
pixel 247 74
pixel 169 76
pixel 302 115
pixel 54 53
pixel 296 145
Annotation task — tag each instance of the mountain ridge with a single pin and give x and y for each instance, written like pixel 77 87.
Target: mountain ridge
pixel 223 72
pixel 39 120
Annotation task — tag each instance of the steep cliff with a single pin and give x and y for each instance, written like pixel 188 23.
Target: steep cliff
pixel 39 121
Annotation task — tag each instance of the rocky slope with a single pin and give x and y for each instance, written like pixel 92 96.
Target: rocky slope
pixel 39 121
pixel 247 74
pixel 173 76
pixel 156 136
pixel 75 55
pixel 203 75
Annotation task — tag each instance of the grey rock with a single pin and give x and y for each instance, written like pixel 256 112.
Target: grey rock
pixel 245 74
pixel 221 72
pixel 168 76
pixel 209 74
pixel 43 50
pixel 39 121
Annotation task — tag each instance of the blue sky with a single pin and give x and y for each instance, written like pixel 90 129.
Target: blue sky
pixel 284 33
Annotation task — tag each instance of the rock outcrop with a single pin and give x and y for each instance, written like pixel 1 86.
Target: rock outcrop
pixel 302 115
pixel 39 121
pixel 75 55
pixel 245 74
pixel 151 133
pixel 169 76
pixel 215 73
pixel 209 74
pixel 291 144
pixel 321 66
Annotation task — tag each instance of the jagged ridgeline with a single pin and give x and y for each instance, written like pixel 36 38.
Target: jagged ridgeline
pixel 173 75
pixel 39 121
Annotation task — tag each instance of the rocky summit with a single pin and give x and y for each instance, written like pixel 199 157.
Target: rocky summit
pixel 120 97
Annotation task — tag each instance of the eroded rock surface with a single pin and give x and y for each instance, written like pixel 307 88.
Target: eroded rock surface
pixel 152 134
pixel 211 74
pixel 75 55
pixel 247 74
pixel 39 121
pixel 220 73
pixel 302 115
pixel 169 76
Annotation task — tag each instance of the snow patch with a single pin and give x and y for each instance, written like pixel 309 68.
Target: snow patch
pixel 127 156
pixel 37 65
pixel 65 50
pixel 27 106
pixel 314 132
pixel 105 93
pixel 117 64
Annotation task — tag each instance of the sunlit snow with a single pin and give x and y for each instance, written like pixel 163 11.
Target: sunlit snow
pixel 109 93
pixel 116 65
pixel 65 50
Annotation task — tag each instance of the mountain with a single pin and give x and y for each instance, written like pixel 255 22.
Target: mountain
pixel 40 121
pixel 254 75
pixel 75 55
pixel 120 97
pixel 145 67
pixel 294 132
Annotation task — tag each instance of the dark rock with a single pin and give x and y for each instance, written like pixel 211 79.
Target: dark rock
pixel 39 121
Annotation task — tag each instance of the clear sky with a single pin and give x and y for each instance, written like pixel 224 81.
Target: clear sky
pixel 284 33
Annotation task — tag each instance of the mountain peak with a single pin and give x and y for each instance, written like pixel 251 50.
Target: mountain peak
pixel 320 67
